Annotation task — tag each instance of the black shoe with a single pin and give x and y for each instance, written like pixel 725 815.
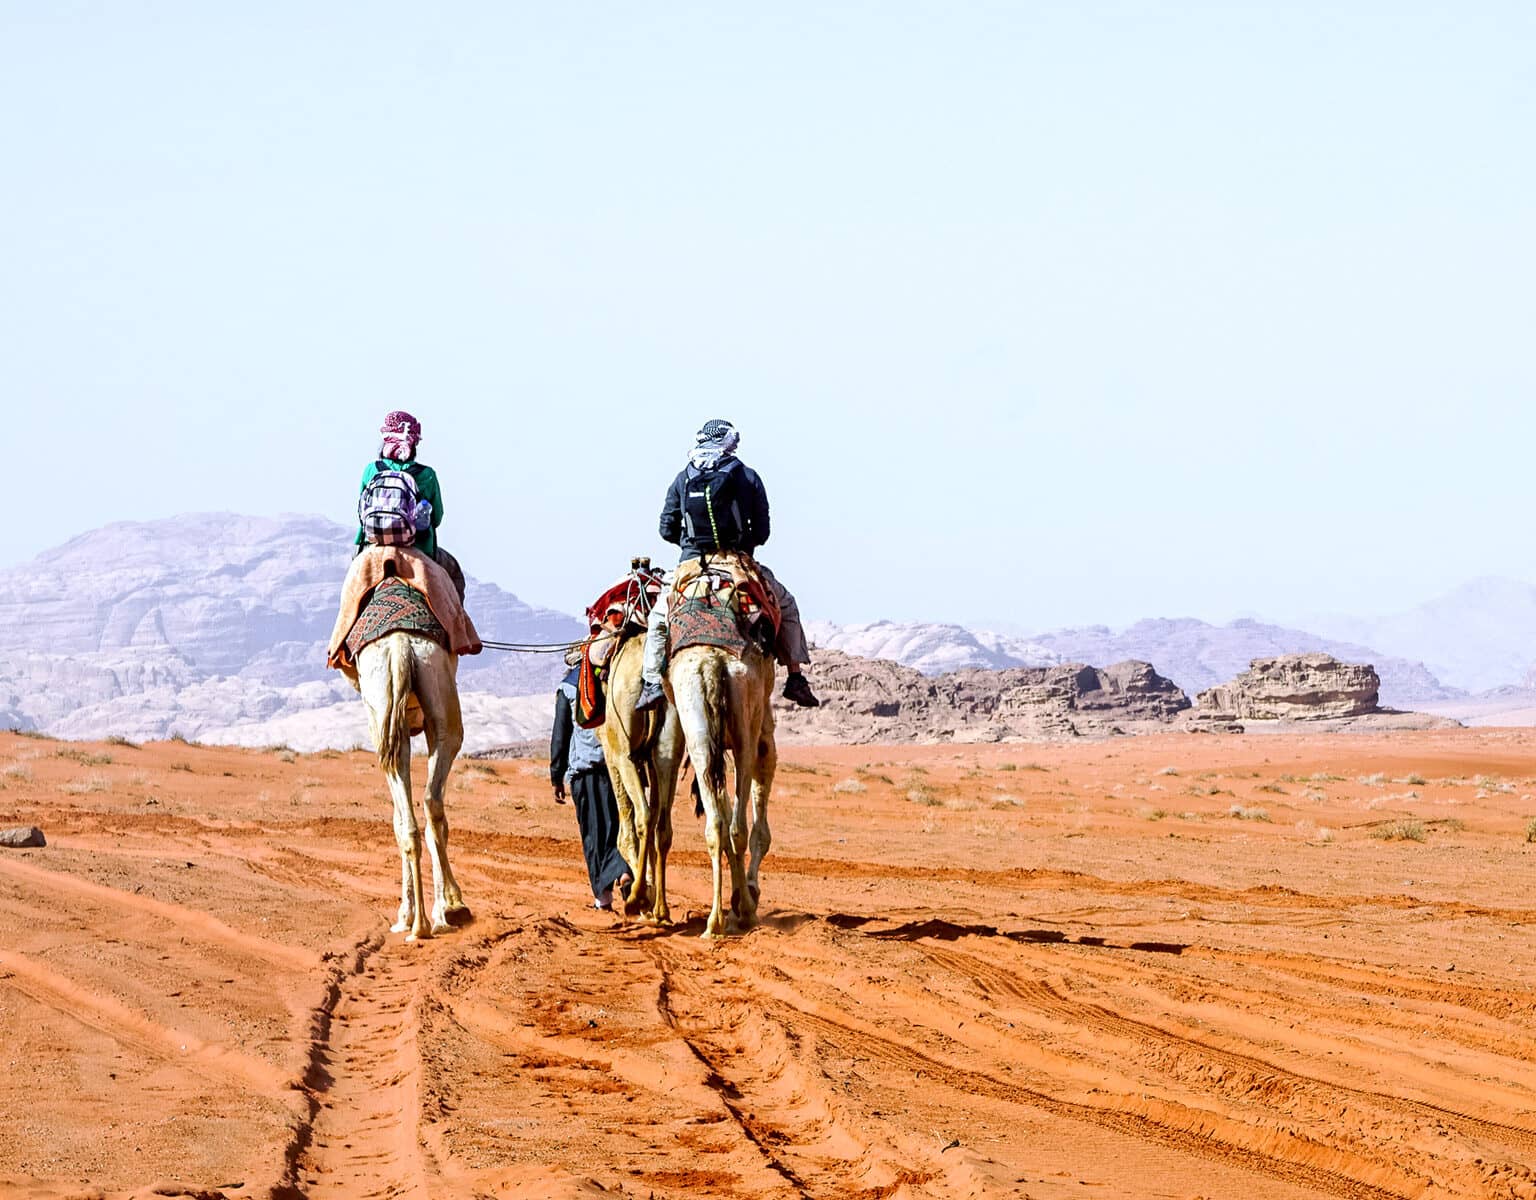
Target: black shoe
pixel 651 696
pixel 798 689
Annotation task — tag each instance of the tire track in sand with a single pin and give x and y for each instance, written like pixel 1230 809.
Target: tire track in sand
pixel 364 1084
pixel 770 1082
pixel 1039 995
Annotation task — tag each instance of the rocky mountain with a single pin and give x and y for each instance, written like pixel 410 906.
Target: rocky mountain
pixel 1194 654
pixel 1295 687
pixel 1479 636
pixel 872 700
pixel 207 624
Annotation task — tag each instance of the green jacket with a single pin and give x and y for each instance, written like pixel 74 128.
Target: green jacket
pixel 427 488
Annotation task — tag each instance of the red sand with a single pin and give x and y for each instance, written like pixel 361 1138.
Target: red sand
pixel 1045 971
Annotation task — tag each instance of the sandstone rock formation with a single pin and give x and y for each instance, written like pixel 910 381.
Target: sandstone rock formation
pixel 874 700
pixel 1295 687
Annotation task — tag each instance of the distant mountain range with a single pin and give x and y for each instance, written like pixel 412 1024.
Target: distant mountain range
pixel 1194 654
pixel 213 626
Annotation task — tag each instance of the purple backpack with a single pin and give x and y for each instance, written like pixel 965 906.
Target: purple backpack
pixel 386 509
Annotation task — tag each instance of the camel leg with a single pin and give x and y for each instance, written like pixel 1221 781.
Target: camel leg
pixel 743 903
pixel 445 735
pixel 639 847
pixel 695 722
pixel 762 784
pixel 665 759
pixel 378 682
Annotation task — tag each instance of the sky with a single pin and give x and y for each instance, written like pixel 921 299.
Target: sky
pixel 1030 314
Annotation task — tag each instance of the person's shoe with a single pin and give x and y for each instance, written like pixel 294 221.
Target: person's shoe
pixel 798 689
pixel 651 696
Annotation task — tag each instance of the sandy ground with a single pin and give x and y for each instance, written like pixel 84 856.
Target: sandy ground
pixel 1180 966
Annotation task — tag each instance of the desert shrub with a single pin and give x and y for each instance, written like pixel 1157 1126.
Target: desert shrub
pixel 1530 830
pixel 35 734
pixel 1288 778
pixel 1375 780
pixel 1400 831
pixel 1248 814
pixel 1324 777
pixel 1203 790
pixel 182 766
pixel 800 769
pixel 1007 766
pixel 1151 814
pixel 81 787
pixel 922 794
pixel 85 758
pixel 850 786
pixel 117 739
pixel 286 755
pixel 875 775
pixel 1413 779
pixel 1168 771
pixel 18 771
pixel 1494 784
pixel 1006 800
pixel 1272 788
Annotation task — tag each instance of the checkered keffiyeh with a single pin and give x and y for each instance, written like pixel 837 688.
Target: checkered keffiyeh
pixel 714 443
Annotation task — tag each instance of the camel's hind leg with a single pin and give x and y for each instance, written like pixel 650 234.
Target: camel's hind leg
pixel 439 696
pixel 666 756
pixel 629 782
pixel 708 756
pixel 379 680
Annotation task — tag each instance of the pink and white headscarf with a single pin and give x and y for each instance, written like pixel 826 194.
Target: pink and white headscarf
pixel 401 434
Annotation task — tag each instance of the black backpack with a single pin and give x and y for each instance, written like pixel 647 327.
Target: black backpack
pixel 713 503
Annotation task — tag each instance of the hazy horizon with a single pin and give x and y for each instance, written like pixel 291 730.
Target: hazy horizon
pixel 1056 315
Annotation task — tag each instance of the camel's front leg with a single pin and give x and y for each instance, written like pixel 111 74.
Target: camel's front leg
pixel 743 903
pixel 762 837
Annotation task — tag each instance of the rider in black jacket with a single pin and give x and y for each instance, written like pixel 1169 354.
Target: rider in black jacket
pixel 736 511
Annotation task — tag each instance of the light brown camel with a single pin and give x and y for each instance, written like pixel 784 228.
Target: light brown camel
pixel 391 672
pixel 725 702
pixel 644 751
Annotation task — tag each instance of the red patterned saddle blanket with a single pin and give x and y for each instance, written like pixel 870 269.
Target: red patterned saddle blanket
pixel 722 600
pixel 393 607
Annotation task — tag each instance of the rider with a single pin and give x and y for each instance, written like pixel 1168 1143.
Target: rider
pixel 715 450
pixel 397 452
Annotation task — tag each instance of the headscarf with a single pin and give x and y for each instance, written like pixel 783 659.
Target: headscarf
pixel 401 433
pixel 715 442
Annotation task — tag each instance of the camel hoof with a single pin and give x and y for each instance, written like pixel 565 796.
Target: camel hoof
pixel 441 927
pixel 399 927
pixel 418 935
pixel 458 915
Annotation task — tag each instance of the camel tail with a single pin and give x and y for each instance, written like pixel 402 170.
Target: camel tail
pixel 717 696
pixel 395 738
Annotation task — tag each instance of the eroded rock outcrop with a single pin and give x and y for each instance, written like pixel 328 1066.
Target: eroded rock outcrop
pixel 1295 687
pixel 875 700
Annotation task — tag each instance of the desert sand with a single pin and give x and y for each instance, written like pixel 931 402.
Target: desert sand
pixel 1172 966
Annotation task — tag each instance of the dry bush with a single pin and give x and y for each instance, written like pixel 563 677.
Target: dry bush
pixel 1400 831
pixel 1273 788
pixel 19 772
pixel 1376 780
pixel 286 755
pixel 117 739
pixel 1147 813
pixel 922 794
pixel 1413 779
pixel 182 766
pixel 800 769
pixel 82 787
pixel 849 786
pixel 1248 814
pixel 35 734
pixel 875 775
pixel 85 758
pixel 1530 830
pixel 1006 800
pixel 1168 771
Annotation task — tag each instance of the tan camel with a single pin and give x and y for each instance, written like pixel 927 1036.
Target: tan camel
pixel 725 702
pixel 644 752
pixel 393 671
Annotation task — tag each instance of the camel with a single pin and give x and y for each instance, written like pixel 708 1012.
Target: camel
pixel 644 752
pixel 392 671
pixel 724 702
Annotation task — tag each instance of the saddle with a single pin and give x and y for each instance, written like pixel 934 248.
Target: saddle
pixel 617 615
pixel 721 599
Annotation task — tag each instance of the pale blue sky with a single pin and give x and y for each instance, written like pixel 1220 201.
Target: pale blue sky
pixel 1039 313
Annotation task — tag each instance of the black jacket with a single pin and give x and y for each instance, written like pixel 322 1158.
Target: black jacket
pixel 754 513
